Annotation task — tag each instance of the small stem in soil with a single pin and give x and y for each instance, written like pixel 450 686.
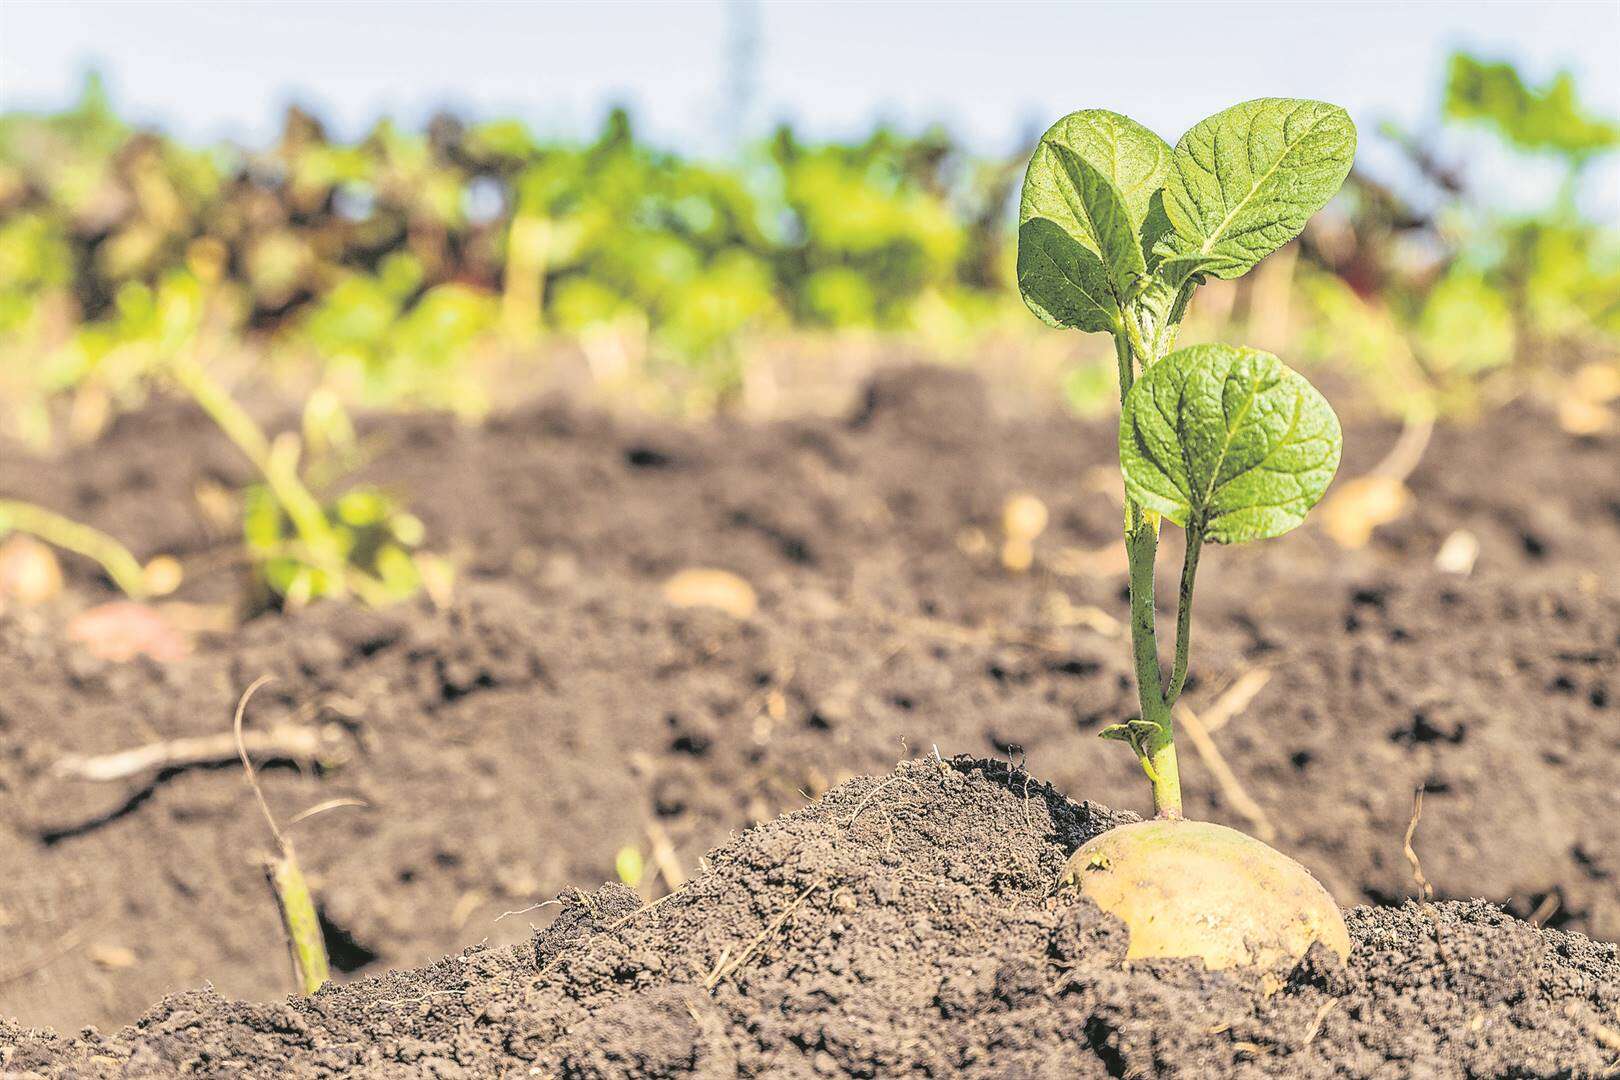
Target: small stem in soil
pixel 276 464
pixel 123 568
pixel 306 942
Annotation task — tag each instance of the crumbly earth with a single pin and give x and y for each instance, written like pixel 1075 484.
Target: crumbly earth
pixel 904 925
pixel 559 711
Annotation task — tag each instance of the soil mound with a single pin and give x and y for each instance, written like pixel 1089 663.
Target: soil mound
pixel 903 925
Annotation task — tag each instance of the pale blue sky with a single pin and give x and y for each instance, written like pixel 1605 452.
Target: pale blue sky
pixel 991 72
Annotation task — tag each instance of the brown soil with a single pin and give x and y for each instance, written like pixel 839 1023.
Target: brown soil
pixel 905 926
pixel 559 710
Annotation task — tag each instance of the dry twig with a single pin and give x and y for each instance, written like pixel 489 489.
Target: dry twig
pixel 1237 697
pixel 323 807
pixel 1230 786
pixel 868 796
pixel 526 910
pixel 1544 910
pixel 288 742
pixel 64 945
pixel 663 855
pixel 723 970
pixel 1316 1025
pixel 1425 890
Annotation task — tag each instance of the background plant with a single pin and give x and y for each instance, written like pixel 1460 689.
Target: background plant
pixel 360 542
pixel 1453 303
pixel 403 264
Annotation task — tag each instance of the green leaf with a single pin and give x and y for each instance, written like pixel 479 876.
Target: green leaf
pixel 1244 182
pixel 1086 194
pixel 1130 157
pixel 1157 235
pixel 1174 270
pixel 1062 282
pixel 1136 732
pixel 1227 442
pixel 1097 207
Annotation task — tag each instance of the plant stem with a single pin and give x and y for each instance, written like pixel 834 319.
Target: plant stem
pixel 1127 366
pixel 1178 311
pixel 306 513
pixel 306 943
pixel 1157 751
pixel 1137 345
pixel 1189 571
pixel 122 567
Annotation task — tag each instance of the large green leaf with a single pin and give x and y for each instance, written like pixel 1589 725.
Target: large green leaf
pixel 1089 183
pixel 1244 182
pixel 1062 282
pixel 1132 158
pixel 1099 210
pixel 1227 442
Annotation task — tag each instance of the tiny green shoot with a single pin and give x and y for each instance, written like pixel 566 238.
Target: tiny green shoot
pixel 306 941
pixel 1117 229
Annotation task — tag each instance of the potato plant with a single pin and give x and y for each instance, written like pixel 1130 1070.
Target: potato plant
pixel 1116 231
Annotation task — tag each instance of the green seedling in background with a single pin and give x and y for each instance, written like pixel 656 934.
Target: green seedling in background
pixel 402 265
pixel 1117 229
pixel 306 941
pixel 1448 304
pixel 361 544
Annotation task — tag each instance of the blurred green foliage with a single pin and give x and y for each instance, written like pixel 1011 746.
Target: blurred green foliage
pixel 394 259
pixel 391 257
pixel 304 543
pixel 1451 302
pixel 1546 119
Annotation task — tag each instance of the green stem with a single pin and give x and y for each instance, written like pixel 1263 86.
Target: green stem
pixel 1127 365
pixel 306 943
pixel 302 507
pixel 1158 751
pixel 1178 311
pixel 1138 345
pixel 1189 571
pixel 69 535
pixel 279 469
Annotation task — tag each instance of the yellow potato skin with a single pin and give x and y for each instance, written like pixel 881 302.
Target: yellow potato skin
pixel 1197 889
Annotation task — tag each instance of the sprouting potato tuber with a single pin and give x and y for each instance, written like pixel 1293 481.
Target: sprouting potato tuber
pixel 1197 889
pixel 1117 230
